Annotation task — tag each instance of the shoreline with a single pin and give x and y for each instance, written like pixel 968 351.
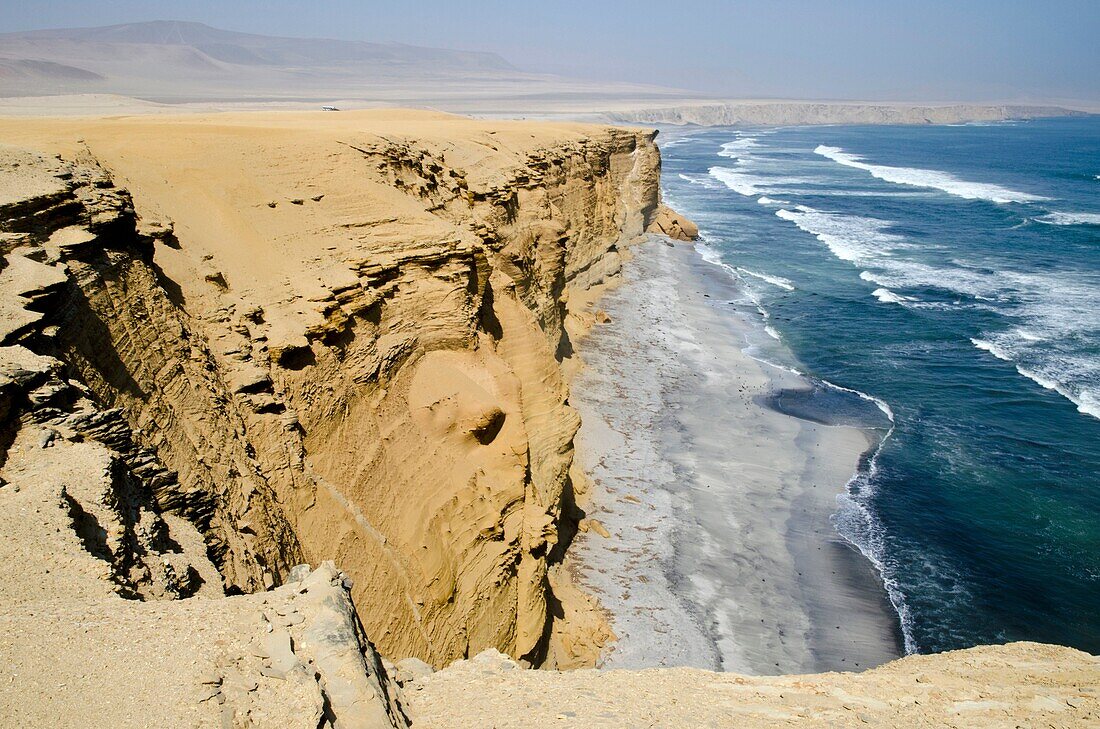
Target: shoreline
pixel 671 407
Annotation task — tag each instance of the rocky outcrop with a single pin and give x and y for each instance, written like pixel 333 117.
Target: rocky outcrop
pixel 668 222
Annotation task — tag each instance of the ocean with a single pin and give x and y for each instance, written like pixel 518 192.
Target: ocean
pixel 950 275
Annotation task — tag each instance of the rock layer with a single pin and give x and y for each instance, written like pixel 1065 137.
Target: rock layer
pixel 112 610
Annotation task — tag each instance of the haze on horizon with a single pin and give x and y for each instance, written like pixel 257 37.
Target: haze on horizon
pixel 921 50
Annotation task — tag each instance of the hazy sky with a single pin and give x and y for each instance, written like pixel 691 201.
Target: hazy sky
pixel 901 49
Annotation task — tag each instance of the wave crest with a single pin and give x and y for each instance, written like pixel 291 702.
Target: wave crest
pixel 928 178
pixel 1058 218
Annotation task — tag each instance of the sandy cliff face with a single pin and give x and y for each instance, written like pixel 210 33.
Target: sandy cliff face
pixel 340 337
pixel 112 608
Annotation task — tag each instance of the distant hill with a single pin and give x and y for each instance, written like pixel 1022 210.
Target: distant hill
pixel 247 49
pixel 173 60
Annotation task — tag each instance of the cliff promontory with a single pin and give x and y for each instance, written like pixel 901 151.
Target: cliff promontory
pixel 234 346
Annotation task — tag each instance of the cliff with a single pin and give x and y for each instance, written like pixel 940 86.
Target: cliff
pixel 809 112
pixel 112 608
pixel 325 337
pixel 234 346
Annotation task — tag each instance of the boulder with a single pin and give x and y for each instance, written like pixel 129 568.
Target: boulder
pixel 670 223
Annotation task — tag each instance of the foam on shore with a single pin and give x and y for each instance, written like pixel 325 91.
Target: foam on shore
pixel 716 474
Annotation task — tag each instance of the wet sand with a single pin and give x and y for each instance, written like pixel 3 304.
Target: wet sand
pixel 721 553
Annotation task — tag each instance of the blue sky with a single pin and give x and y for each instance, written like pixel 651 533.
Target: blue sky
pixel 869 49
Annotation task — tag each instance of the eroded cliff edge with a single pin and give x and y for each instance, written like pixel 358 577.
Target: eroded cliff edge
pixel 340 338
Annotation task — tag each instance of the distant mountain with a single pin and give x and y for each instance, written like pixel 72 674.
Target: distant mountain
pixel 246 48
pixel 173 60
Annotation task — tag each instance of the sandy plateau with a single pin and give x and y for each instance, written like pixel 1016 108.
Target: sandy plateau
pixel 236 345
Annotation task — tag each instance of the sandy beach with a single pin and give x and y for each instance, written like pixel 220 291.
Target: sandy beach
pixel 721 552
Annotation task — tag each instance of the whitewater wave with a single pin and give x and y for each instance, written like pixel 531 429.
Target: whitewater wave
pixel 880 404
pixel 740 182
pixel 1058 218
pixel 751 185
pixel 856 523
pixel 887 296
pixel 1086 399
pixel 929 179
pixel 851 238
pixel 779 281
pixel 753 353
pixel 705 181
pixel 1063 305
pixel 734 149
pixel 675 141
pixel 737 273
pixel 855 520
pixel 867 242
pixel 992 348
pixel 873 193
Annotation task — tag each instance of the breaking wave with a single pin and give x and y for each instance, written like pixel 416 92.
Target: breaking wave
pixel 1057 218
pixel 1062 304
pixel 928 178
pixel 779 281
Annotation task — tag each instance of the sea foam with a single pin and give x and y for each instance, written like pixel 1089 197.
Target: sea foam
pixel 928 178
pixel 740 182
pixel 1063 305
pixel 751 185
pixel 887 296
pixel 856 522
pixel 778 281
pixel 851 238
pixel 734 149
pixel 1049 370
pixel 1058 218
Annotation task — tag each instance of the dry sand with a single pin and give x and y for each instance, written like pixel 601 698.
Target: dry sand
pixel 721 553
pixel 1018 685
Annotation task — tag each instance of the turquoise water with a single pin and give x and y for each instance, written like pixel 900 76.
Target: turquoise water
pixel 952 273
